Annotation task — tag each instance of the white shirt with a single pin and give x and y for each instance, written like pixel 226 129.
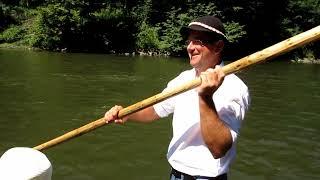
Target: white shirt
pixel 187 151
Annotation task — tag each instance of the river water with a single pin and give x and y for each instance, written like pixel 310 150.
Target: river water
pixel 43 95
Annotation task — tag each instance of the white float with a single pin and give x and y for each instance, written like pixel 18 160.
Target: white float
pixel 22 163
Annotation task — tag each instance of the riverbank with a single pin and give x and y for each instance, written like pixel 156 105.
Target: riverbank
pixel 65 50
pixel 18 47
pixel 137 53
pixel 307 61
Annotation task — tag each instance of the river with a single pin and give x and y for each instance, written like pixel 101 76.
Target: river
pixel 45 94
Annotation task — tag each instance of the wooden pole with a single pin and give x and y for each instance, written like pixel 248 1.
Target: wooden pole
pixel 258 57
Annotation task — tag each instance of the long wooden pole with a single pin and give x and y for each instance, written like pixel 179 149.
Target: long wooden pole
pixel 258 57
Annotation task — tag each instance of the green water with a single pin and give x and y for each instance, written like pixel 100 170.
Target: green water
pixel 43 95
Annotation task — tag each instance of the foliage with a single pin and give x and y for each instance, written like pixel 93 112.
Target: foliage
pixel 177 18
pixel 301 15
pixel 12 34
pixel 116 26
pixel 5 18
pixel 152 25
pixel 234 31
pixel 51 25
pixel 148 38
pixel 170 32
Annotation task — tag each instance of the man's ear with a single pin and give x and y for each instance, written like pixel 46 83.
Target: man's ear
pixel 219 46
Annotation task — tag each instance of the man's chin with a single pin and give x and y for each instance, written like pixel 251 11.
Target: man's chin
pixel 193 62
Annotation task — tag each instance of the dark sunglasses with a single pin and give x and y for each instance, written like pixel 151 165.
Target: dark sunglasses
pixel 197 42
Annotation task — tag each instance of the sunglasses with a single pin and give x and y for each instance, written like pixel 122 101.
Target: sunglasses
pixel 197 42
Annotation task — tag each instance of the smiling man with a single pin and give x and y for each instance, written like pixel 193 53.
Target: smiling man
pixel 206 120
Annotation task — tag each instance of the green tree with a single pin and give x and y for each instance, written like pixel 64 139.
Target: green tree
pixel 302 15
pixel 177 18
pixel 152 25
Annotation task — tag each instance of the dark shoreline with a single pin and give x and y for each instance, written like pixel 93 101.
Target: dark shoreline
pixel 137 53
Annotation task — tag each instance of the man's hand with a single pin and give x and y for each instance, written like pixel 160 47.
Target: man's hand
pixel 112 115
pixel 211 79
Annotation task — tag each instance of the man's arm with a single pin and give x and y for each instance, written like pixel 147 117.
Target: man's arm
pixel 146 115
pixel 216 134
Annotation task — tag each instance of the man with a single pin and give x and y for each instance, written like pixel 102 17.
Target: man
pixel 206 120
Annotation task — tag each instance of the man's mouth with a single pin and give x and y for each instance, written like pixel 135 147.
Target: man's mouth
pixel 194 55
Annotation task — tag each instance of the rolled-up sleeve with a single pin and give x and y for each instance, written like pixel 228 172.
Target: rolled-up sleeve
pixel 166 107
pixel 232 110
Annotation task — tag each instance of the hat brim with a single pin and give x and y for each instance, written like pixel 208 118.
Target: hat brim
pixel 185 31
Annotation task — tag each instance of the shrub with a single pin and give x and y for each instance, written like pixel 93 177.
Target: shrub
pixel 47 28
pixel 116 28
pixel 12 34
pixel 51 26
pixel 234 31
pixel 148 38
pixel 177 18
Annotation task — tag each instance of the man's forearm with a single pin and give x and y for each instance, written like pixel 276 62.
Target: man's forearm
pixel 145 116
pixel 215 132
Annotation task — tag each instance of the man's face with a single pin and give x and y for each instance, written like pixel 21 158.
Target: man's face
pixel 202 54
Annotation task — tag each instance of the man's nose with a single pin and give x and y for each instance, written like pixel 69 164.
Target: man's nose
pixel 190 46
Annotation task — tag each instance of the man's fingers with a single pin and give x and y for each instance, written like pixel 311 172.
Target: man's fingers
pixel 220 72
pixel 119 121
pixel 112 115
pixel 210 70
pixel 211 80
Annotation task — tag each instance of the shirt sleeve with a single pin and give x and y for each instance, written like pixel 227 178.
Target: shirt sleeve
pixel 166 107
pixel 233 111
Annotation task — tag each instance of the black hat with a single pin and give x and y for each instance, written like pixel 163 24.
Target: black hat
pixel 208 24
